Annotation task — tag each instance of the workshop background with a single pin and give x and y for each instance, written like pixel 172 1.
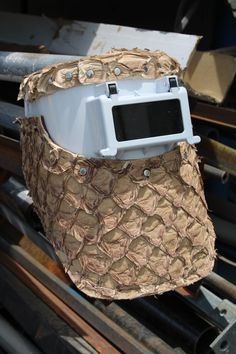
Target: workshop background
pixel 41 311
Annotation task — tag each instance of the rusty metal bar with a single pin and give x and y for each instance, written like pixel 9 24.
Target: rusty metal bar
pixel 218 155
pixel 36 237
pixel 220 286
pixel 12 235
pixel 222 116
pixel 114 333
pixel 134 327
pixel 41 324
pixel 63 310
pixel 14 66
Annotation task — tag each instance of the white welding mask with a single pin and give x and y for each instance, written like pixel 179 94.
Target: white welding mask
pixel 108 157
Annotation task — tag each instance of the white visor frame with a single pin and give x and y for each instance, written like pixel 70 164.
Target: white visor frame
pixel 81 119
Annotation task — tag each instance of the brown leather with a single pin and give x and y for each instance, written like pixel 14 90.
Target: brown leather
pixel 118 64
pixel 119 234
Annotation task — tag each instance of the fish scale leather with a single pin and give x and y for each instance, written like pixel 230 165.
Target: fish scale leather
pixel 118 233
pixel 135 63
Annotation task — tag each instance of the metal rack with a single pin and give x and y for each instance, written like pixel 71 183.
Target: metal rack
pixel 50 315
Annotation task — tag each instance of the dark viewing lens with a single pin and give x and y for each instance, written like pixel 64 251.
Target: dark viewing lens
pixel 149 119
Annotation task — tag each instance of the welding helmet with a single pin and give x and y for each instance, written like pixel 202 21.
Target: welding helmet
pixel 109 158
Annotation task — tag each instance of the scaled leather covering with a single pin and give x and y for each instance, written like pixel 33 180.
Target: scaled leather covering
pixel 119 234
pixel 118 64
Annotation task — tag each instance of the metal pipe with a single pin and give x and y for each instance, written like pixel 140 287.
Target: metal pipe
pixel 134 327
pixel 218 154
pixel 221 286
pixel 14 66
pixel 14 343
pixel 207 306
pixel 16 196
pixel 38 238
pixel 222 207
pixel 213 114
pixel 8 114
pixel 10 155
pixel 168 315
pixel 226 251
pixel 110 330
pixel 207 131
pixel 225 230
pixel 211 171
pixel 21 281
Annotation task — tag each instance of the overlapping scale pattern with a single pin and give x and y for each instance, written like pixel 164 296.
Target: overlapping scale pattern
pixel 118 233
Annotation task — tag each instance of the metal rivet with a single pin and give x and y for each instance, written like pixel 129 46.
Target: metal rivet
pixel 145 68
pixel 117 71
pixel 146 172
pixel 89 73
pixel 83 171
pixel 68 76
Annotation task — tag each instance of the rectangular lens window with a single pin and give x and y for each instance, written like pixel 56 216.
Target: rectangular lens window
pixel 148 119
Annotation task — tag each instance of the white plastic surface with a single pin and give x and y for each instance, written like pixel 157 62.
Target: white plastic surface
pixel 80 118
